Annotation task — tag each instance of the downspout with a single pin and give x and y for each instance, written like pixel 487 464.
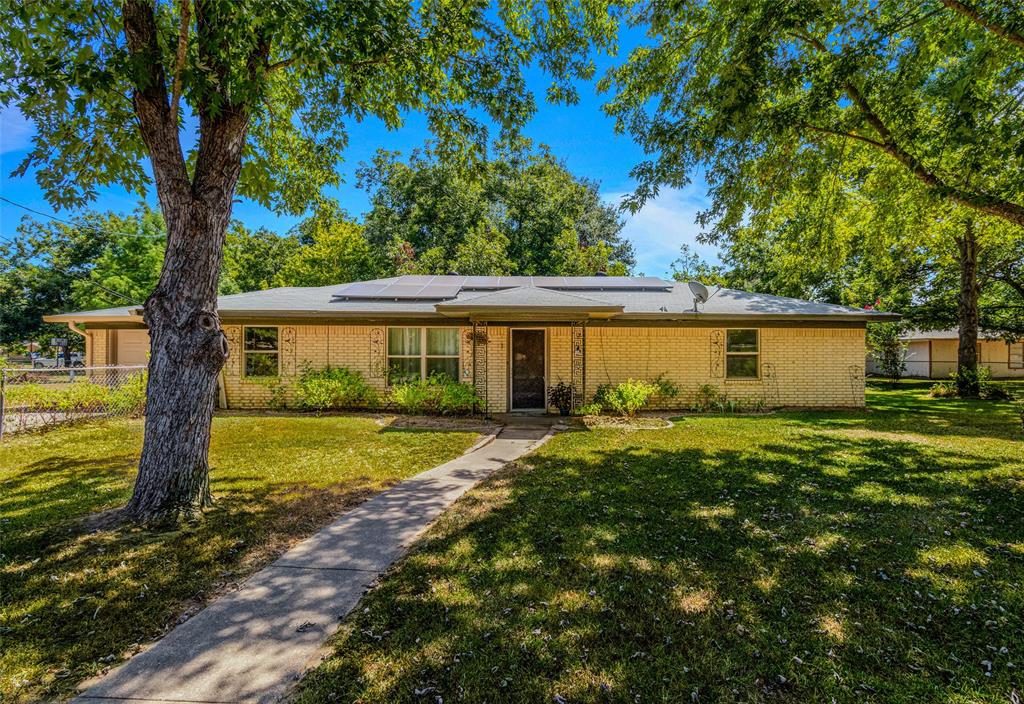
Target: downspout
pixel 73 327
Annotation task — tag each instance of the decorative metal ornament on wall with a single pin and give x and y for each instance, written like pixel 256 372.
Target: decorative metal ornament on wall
pixel 378 356
pixel 466 356
pixel 770 384
pixel 717 354
pixel 233 334
pixel 856 372
pixel 288 351
pixel 479 345
pixel 579 356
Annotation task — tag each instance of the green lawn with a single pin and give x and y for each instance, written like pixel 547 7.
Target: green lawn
pixel 72 601
pixel 809 557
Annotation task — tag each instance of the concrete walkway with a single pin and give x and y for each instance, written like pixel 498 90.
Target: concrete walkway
pixel 253 644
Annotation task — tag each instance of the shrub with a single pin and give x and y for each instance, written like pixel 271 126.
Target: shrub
pixel 436 395
pixel 887 349
pixel 76 396
pixel 626 398
pixel 666 387
pixel 708 398
pixel 411 396
pixel 1020 412
pixel 943 389
pixel 129 399
pixel 457 399
pixel 982 378
pixel 334 388
pixel 589 409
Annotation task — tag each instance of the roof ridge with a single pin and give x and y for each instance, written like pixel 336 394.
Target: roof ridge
pixel 552 291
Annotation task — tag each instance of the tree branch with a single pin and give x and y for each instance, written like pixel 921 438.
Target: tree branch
pixel 150 101
pixel 840 133
pixel 978 201
pixel 1013 283
pixel 888 143
pixel 179 59
pixel 971 13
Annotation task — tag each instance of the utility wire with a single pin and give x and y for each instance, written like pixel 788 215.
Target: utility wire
pixel 86 280
pixel 83 226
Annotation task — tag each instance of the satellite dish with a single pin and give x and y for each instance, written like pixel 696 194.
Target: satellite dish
pixel 700 293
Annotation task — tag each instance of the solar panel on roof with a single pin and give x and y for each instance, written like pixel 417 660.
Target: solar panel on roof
pixel 422 287
pixel 592 283
pixel 487 283
pixel 442 290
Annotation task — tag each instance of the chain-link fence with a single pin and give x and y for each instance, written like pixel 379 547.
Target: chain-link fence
pixel 34 399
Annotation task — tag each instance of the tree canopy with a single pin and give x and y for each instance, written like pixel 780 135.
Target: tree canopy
pixel 746 89
pixel 519 212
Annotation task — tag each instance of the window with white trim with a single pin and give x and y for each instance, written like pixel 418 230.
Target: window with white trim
pixel 1016 355
pixel 260 352
pixel 742 355
pixel 419 353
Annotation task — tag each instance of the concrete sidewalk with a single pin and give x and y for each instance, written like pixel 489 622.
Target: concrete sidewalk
pixel 253 644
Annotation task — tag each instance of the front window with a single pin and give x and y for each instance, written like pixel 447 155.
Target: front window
pixel 418 353
pixel 261 352
pixel 741 354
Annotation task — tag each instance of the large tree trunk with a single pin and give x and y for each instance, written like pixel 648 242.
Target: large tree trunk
pixel 187 347
pixel 187 351
pixel 967 352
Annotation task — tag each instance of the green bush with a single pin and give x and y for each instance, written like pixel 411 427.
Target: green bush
pixel 589 409
pixel 626 398
pixel 74 396
pixel 438 395
pixel 411 396
pixel 987 389
pixel 334 388
pixel 129 399
pixel 709 398
pixel 943 389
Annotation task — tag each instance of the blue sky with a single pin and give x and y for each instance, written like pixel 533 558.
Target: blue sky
pixel 581 135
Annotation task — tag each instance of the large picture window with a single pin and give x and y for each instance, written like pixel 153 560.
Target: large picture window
pixel 261 352
pixel 741 354
pixel 418 353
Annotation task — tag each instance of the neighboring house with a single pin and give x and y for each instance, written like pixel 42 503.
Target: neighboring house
pixel 515 336
pixel 932 354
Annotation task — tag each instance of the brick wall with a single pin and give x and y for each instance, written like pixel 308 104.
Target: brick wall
pixel 798 366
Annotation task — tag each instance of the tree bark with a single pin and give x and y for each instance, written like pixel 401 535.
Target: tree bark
pixel 967 351
pixel 187 347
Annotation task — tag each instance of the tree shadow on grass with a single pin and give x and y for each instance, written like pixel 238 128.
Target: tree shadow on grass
pixel 813 568
pixel 72 599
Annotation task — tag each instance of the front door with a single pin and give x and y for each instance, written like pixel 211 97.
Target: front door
pixel 527 369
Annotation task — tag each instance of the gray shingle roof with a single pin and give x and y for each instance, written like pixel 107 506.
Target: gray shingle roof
pixel 672 303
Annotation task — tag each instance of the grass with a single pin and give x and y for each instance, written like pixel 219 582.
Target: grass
pixel 833 556
pixel 74 601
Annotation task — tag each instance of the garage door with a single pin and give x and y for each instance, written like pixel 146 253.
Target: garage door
pixel 132 346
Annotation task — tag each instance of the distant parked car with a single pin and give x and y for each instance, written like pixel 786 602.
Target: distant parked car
pixel 56 362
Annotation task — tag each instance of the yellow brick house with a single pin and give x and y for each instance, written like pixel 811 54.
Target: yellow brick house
pixel 513 337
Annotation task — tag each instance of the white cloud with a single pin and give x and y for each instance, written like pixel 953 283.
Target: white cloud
pixel 15 131
pixel 663 225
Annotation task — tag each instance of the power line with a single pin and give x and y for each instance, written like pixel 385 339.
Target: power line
pixel 86 280
pixel 83 226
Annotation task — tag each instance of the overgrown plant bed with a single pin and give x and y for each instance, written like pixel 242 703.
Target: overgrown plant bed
pixel 796 557
pixel 73 602
pixel 637 422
